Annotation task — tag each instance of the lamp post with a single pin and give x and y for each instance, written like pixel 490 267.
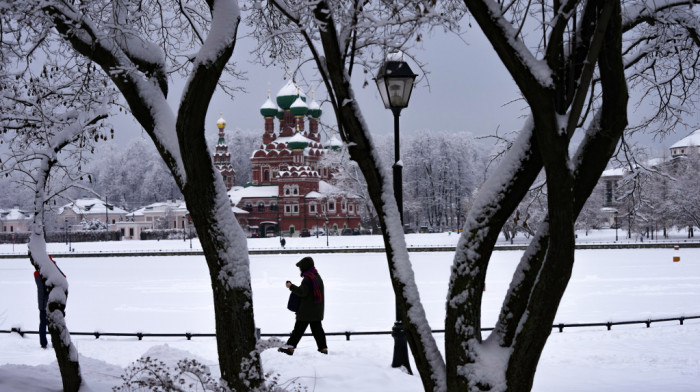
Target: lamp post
pixel 395 83
pixel 615 226
pixel 189 227
pixel 326 231
pixel 316 225
pixel 65 227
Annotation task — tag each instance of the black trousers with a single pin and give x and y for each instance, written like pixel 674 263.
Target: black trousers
pixel 316 330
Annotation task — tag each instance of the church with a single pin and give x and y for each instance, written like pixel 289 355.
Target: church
pixel 290 189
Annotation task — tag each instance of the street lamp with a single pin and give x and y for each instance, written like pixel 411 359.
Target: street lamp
pixel 395 83
pixel 326 231
pixel 615 226
pixel 316 225
pixel 65 227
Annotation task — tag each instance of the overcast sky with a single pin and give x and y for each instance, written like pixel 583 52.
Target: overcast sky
pixel 470 91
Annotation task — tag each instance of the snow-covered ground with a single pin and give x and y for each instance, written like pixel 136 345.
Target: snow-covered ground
pixel 447 239
pixel 172 295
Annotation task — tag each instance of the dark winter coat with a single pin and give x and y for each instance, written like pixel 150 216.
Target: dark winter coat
pixel 309 310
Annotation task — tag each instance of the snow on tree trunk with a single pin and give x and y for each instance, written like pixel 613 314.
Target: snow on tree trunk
pixel 179 139
pixel 56 286
pixel 428 359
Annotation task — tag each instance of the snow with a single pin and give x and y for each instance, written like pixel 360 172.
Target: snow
pixel 91 206
pixel 691 140
pixel 269 105
pixel 291 89
pixel 14 214
pixel 173 295
pixel 238 193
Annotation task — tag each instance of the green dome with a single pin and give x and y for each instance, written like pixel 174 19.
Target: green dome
pixel 299 107
pixel 288 94
pixel 298 142
pixel 280 114
pixel 268 109
pixel 315 109
pixel 334 143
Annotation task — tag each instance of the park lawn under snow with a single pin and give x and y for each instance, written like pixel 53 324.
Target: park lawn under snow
pixel 160 294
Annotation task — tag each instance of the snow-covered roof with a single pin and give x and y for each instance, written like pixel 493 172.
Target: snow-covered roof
pixel 334 142
pixel 269 104
pixel 160 207
pixel 91 207
pixel 237 193
pixel 315 195
pixel 616 172
pixel 291 89
pixel 237 210
pixel 691 140
pixel 14 214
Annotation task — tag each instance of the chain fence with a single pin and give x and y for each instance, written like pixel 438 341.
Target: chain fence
pixel 348 334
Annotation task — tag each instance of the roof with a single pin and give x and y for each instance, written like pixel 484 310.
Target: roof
pixel 160 208
pixel 691 140
pixel 91 207
pixel 14 214
pixel 237 193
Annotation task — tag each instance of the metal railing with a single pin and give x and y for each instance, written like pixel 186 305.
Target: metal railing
pixel 348 334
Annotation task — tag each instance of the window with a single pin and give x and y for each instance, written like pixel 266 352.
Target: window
pixel 608 192
pixel 286 191
pixel 287 209
pixel 331 205
pixel 344 205
pixel 312 208
pixel 261 207
pixel 296 208
pixel 248 207
pixel 273 206
pixel 352 208
pixel 266 175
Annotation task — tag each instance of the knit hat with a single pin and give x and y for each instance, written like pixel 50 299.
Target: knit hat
pixel 305 264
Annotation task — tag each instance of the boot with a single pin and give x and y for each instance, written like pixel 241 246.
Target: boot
pixel 286 350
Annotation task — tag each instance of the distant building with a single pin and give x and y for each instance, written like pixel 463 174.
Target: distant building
pixel 290 189
pixel 15 220
pixel 72 214
pixel 222 158
pixel 163 215
pixel 687 145
pixel 611 178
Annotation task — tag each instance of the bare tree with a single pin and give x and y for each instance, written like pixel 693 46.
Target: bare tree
pixel 51 120
pixel 139 46
pixel 573 79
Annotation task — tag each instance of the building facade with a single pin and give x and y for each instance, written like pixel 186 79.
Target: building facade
pixel 15 220
pixel 171 214
pixel 290 189
pixel 73 214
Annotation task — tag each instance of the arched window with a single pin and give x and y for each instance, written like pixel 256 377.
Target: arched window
pixel 261 207
pixel 266 175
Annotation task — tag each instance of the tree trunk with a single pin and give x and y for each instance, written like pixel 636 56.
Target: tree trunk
pixel 57 286
pixel 428 359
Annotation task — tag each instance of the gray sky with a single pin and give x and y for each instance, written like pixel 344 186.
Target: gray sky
pixel 470 91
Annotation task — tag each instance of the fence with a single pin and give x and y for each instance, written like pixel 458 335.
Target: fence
pixel 348 334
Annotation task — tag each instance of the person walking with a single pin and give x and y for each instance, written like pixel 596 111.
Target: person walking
pixel 310 312
pixel 283 242
pixel 42 294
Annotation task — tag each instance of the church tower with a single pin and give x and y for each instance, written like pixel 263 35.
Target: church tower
pixel 222 158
